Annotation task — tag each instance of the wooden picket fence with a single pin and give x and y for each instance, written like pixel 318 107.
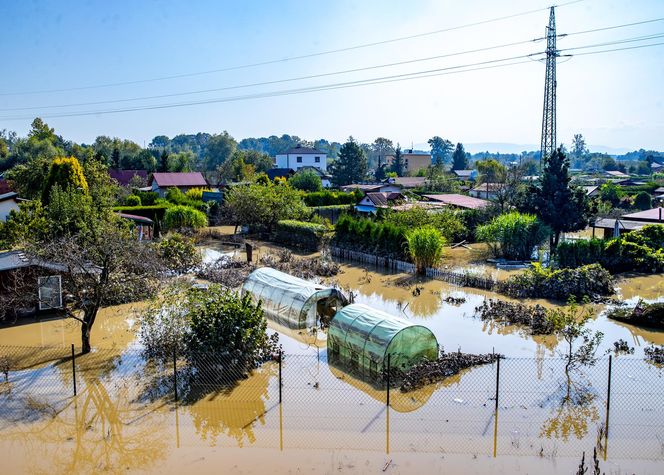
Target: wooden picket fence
pixel 462 279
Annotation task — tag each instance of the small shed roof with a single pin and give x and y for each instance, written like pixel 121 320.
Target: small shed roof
pixel 408 181
pixel 178 179
pixel 608 223
pixel 137 219
pixel 123 177
pixel 461 201
pixel 464 173
pixel 12 195
pixel 484 187
pixel 654 215
pixel 12 260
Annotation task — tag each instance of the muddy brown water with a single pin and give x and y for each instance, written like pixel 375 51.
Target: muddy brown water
pixel 328 421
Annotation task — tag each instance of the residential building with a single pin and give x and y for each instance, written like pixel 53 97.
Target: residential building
pixel 8 203
pixel 459 201
pixel 615 174
pixel 374 200
pixel 300 156
pixel 413 160
pixel 162 182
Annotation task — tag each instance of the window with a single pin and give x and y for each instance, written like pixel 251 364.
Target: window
pixel 317 159
pixel 50 292
pixel 299 159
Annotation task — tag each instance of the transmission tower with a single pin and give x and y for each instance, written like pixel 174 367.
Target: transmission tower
pixel 549 116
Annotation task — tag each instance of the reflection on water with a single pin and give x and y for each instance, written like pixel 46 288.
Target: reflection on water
pixel 573 411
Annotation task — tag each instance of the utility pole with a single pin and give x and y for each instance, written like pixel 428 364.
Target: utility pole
pixel 549 116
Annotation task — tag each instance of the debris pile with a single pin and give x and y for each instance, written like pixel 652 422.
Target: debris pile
pixel 454 300
pixel 508 313
pixel 648 315
pixel 227 272
pixel 303 267
pixel 654 354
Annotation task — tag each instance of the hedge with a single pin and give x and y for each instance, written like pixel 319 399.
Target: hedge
pixel 379 238
pixel 331 212
pixel 327 198
pixel 154 212
pixel 300 233
pixel 180 217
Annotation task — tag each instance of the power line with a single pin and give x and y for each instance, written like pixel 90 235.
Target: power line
pixel 349 84
pixel 293 58
pixel 321 75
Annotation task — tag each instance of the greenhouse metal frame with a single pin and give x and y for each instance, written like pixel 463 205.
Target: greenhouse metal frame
pixel 291 301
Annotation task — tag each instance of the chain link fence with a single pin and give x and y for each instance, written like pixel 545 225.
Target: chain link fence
pixel 514 406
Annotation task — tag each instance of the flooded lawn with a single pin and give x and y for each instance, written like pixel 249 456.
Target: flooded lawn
pixel 125 418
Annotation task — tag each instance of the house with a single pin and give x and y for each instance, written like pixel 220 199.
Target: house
pixel 373 187
pixel 413 160
pixel 615 174
pixel 374 200
pixel 280 173
pixel 324 177
pixel 487 191
pixel 408 182
pixel 659 192
pixel 459 201
pixel 629 182
pixel 656 167
pixel 591 191
pixel 142 228
pixel 465 175
pixel 161 182
pixel 8 203
pixel 28 286
pixel 300 156
pixel 124 177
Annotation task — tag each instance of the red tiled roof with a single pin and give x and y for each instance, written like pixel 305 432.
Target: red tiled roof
pixel 462 201
pixel 123 177
pixel 179 179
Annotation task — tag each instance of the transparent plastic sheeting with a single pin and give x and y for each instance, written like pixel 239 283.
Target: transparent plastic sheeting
pixel 289 300
pixel 363 337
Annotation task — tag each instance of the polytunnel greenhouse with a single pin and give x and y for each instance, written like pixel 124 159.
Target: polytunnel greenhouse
pixel 362 337
pixel 291 301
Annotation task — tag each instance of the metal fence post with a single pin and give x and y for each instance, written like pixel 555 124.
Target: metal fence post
pixel 73 366
pixel 389 357
pixel 608 406
pixel 495 414
pixel 497 380
pixel 175 374
pixel 280 380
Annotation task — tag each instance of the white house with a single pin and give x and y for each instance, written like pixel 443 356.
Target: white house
pixel 8 203
pixel 298 157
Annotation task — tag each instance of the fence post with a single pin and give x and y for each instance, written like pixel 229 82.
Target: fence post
pixel 73 366
pixel 608 406
pixel 389 357
pixel 175 374
pixel 495 415
pixel 497 380
pixel 280 380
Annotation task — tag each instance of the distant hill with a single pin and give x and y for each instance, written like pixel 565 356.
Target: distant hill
pixel 505 147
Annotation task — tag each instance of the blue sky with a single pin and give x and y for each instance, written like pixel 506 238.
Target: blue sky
pixel 615 99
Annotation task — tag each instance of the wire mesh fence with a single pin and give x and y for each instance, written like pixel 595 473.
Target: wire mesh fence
pixel 511 407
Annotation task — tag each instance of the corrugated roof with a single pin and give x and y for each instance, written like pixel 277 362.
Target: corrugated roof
pixel 279 172
pixel 12 260
pixel 179 179
pixel 654 215
pixel 462 201
pixel 410 181
pixel 136 218
pixel 464 173
pixel 607 223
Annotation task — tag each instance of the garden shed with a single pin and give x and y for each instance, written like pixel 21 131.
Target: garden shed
pixel 362 337
pixel 291 301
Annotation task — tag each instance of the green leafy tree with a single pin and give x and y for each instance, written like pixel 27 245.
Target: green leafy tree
pixel 491 171
pixel 380 174
pixel 439 181
pixel 163 162
pixel 40 130
pixel 561 206
pixel 380 148
pixel 611 193
pixel 351 164
pixel 441 150
pixel 306 180
pixel 220 148
pixel 459 158
pixel 579 148
pixel 67 173
pixel 179 253
pixel 643 200
pixel 263 206
pixel 398 162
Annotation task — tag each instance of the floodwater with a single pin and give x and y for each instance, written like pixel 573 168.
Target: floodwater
pixel 124 417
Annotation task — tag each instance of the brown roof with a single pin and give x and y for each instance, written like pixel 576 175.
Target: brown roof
pixel 616 173
pixel 654 215
pixel 484 187
pixel 178 179
pixel 461 201
pixel 410 181
pixel 123 177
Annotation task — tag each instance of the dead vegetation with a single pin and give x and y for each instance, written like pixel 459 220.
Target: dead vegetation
pixel 508 313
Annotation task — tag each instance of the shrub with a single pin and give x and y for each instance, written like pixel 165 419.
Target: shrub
pixel 133 200
pixel 580 253
pixel 328 198
pixel 179 253
pixel 643 200
pixel 148 198
pixel 195 194
pixel 179 217
pixel 425 246
pixel 447 222
pixel 537 282
pixel 381 238
pixel 306 180
pixel 513 235
pixel 300 233
pixel 67 173
pixel 262 206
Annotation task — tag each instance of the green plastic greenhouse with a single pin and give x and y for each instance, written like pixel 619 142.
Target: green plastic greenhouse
pixel 291 301
pixel 362 337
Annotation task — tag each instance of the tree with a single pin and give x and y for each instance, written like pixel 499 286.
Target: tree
pixel 380 148
pixel 220 148
pixel 643 200
pixel 306 180
pixel 459 158
pixel 115 158
pixel 513 235
pixel 351 164
pixel 397 162
pixel 380 174
pixel 579 148
pixel 262 206
pixel 441 150
pixel 425 246
pixel 611 193
pixel 437 180
pixel 40 130
pixel 67 173
pixel 563 207
pixel 163 162
pixel 491 171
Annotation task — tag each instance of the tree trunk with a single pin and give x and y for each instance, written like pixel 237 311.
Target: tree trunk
pixel 89 316
pixel 85 339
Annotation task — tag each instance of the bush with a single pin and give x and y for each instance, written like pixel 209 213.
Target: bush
pixel 425 246
pixel 148 198
pixel 447 222
pixel 300 233
pixel 179 253
pixel 133 200
pixel 643 200
pixel 328 198
pixel 537 282
pixel 513 235
pixel 195 194
pixel 180 217
pixel 580 253
pixel 306 180
pixel 385 239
